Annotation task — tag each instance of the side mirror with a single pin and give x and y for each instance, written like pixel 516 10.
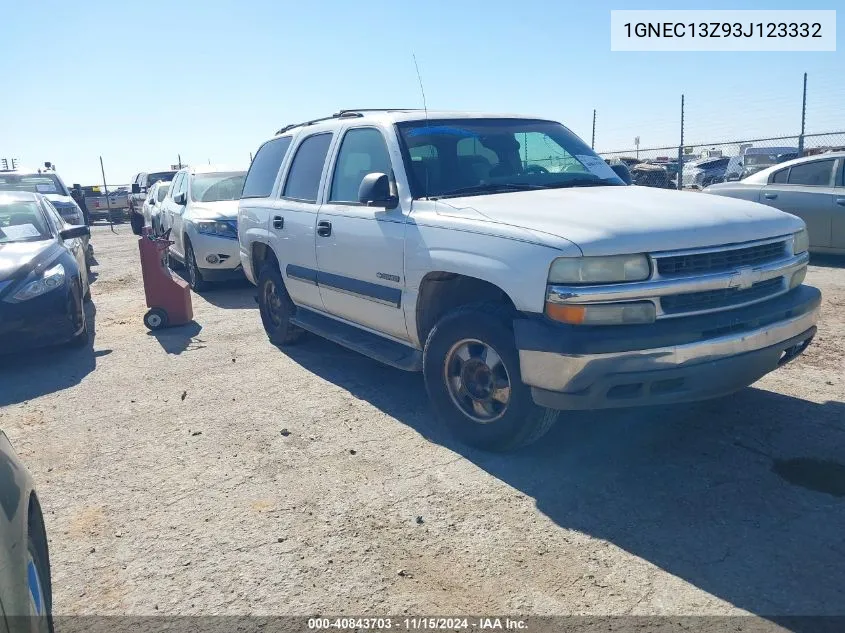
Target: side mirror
pixel 74 232
pixel 374 191
pixel 732 177
pixel 152 202
pixel 180 199
pixel 621 170
pixel 136 188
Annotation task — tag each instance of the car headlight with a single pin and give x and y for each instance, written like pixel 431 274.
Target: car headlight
pixel 603 314
pixel 50 279
pixel 218 228
pixel 599 270
pixel 800 242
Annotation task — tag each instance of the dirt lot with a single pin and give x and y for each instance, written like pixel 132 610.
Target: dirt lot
pixel 203 471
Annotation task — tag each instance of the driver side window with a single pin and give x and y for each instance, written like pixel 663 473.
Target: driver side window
pixel 363 151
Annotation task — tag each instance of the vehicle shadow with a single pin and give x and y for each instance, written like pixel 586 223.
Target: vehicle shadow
pixel 828 261
pixel 238 294
pixel 32 373
pixel 702 491
pixel 180 338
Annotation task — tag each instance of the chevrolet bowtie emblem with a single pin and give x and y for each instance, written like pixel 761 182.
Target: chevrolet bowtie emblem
pixel 744 278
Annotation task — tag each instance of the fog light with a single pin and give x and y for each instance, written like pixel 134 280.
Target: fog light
pixel 212 259
pixel 797 278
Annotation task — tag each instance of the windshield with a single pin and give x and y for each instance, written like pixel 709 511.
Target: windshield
pixel 34 183
pixel 166 176
pixel 217 187
pixel 22 221
pixel 162 192
pixel 451 157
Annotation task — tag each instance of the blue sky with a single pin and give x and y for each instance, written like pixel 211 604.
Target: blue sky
pixel 140 82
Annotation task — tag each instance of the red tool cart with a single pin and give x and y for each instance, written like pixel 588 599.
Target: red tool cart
pixel 168 296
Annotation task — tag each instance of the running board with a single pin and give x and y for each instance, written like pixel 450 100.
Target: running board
pixel 358 340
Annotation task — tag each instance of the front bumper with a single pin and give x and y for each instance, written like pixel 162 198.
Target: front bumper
pixel 44 320
pixel 675 360
pixel 224 253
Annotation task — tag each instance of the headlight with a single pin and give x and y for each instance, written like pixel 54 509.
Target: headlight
pixel 50 279
pixel 599 270
pixel 219 228
pixel 800 242
pixel 602 314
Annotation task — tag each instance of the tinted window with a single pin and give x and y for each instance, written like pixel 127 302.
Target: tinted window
pixel 815 174
pixel 265 167
pixel 162 192
pixel 362 152
pixel 780 176
pixel 304 175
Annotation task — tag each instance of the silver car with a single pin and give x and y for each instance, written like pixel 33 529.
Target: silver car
pixel 813 188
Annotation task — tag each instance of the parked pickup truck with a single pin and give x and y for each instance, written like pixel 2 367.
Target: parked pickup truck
pixel 140 187
pixel 439 243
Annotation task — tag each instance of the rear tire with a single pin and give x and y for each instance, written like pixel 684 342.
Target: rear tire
pixel 137 222
pixel 471 370
pixel 276 307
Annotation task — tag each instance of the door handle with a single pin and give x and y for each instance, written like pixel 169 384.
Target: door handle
pixel 278 222
pixel 770 196
pixel 840 202
pixel 324 229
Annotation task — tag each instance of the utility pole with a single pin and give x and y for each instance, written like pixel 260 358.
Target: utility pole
pixel 593 142
pixel 803 118
pixel 637 144
pixel 681 149
pixel 180 160
pixel 106 189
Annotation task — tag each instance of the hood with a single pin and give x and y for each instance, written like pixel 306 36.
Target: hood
pixel 57 197
pixel 222 210
pixel 18 258
pixel 617 220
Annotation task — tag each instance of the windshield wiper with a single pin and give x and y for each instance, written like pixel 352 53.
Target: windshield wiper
pixel 501 187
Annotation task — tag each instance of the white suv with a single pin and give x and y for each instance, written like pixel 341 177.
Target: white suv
pixel 508 262
pixel 201 212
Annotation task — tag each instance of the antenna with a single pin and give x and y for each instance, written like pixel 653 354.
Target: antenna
pixel 425 109
pixel 422 90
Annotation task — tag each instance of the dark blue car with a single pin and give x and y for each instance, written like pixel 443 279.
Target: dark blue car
pixel 43 276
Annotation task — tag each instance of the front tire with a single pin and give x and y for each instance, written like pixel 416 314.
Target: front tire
pixel 276 307
pixel 195 280
pixel 471 370
pixel 137 222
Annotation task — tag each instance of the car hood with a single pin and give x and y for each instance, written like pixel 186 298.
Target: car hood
pixel 56 197
pixel 222 210
pixel 617 219
pixel 17 259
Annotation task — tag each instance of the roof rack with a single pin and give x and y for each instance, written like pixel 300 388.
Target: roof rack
pixel 342 114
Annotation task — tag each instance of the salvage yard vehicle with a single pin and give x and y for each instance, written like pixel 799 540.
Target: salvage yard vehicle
pixel 140 187
pixel 43 277
pixel 813 188
pixel 46 182
pixel 704 172
pixel 26 591
pixel 201 210
pixel 152 205
pixel 438 242
pixel 99 206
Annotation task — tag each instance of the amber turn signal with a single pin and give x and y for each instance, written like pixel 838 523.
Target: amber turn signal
pixel 566 313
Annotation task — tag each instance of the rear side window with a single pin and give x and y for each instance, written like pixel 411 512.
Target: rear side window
pixel 265 167
pixel 304 176
pixel 815 174
pixel 780 176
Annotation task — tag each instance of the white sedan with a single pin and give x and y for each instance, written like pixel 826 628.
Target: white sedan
pixel 201 210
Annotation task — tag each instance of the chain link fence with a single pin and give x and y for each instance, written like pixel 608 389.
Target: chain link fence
pixel 699 164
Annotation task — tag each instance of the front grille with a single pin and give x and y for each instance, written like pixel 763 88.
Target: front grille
pixel 719 299
pixel 719 261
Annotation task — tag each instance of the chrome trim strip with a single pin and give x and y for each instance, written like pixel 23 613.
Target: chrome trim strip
pixel 727 247
pixel 572 372
pixel 671 286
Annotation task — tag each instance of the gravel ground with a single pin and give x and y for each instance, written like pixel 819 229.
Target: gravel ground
pixel 203 471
